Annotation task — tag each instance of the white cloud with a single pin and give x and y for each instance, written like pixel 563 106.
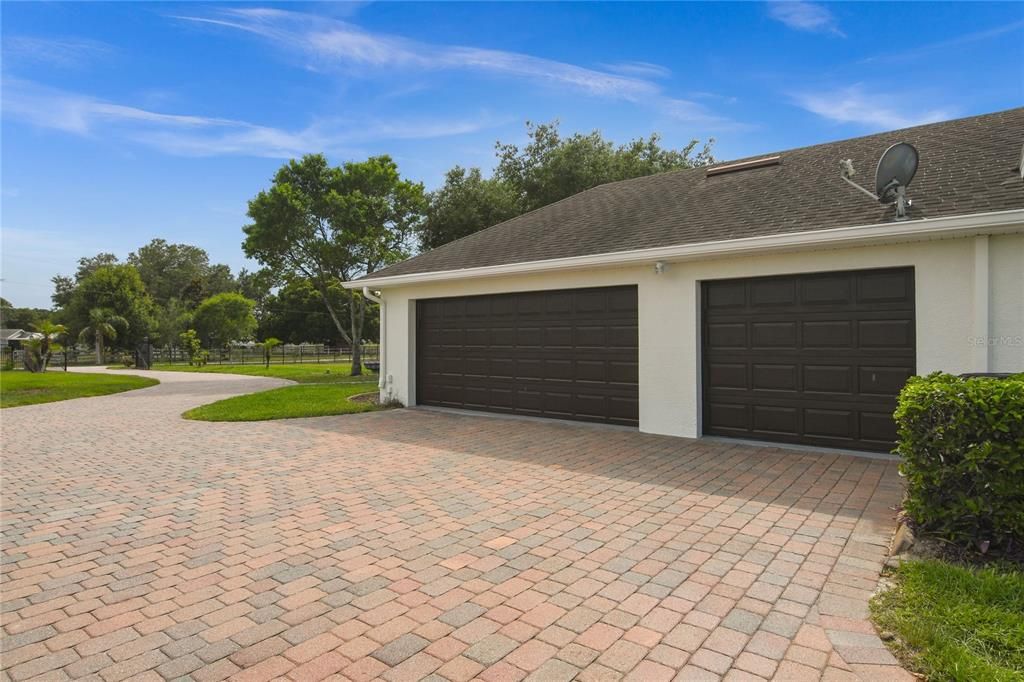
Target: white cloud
pixel 944 45
pixel 854 104
pixel 804 16
pixel 189 135
pixel 60 52
pixel 332 44
pixel 639 69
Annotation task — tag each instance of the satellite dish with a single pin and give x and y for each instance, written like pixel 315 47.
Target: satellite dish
pixel 896 170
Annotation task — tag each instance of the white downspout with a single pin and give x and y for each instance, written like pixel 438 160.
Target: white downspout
pixel 383 326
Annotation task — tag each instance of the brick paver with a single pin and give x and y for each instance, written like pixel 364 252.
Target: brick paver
pixel 412 544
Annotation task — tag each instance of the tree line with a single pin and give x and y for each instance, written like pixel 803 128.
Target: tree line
pixel 319 225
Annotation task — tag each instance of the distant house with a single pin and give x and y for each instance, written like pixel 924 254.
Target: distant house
pixel 764 300
pixel 15 338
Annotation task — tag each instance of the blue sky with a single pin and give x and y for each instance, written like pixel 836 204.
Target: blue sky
pixel 122 122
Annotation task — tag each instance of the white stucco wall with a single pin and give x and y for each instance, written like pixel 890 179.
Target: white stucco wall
pixel 1006 303
pixel 669 329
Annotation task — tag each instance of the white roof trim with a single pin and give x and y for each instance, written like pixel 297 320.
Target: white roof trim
pixel 861 235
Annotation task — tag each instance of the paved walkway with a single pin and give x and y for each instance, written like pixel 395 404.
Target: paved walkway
pixel 407 544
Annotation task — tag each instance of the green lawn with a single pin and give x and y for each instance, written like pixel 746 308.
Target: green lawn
pixel 955 623
pixel 309 400
pixel 19 388
pixel 303 373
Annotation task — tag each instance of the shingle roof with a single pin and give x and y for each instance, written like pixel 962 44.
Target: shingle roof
pixel 967 166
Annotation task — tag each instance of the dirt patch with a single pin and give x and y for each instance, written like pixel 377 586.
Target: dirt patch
pixel 371 398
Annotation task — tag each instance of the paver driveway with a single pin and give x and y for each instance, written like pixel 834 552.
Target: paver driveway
pixel 410 543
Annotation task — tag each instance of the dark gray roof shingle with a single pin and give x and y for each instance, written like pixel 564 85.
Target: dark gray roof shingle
pixel 967 166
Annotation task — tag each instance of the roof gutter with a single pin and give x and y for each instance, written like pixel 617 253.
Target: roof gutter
pixel 861 235
pixel 381 354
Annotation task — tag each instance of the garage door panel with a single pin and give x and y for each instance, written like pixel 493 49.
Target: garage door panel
pixel 454 308
pixel 778 420
pixel 504 368
pixel 590 301
pixel 621 410
pixel 821 367
pixel 728 295
pixel 828 334
pixel 567 354
pixel 476 309
pixel 828 379
pixel 476 337
pixel 623 372
pixel 558 304
pixel 885 286
pixel 829 423
pixel 591 370
pixel 726 335
pixel 622 301
pixel 878 427
pixel 773 293
pixel 819 290
pixel 728 416
pixel 621 336
pixel 592 335
pixel 500 309
pixel 886 333
pixel 775 377
pixel 884 381
pixel 773 334
pixel 528 401
pixel 726 375
pixel 477 395
pixel 558 336
pixel 558 369
pixel 472 366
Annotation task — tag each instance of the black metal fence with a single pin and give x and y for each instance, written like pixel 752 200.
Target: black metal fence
pixel 237 355
pixel 255 355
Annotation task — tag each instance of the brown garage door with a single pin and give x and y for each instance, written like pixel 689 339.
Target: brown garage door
pixel 815 359
pixel 567 354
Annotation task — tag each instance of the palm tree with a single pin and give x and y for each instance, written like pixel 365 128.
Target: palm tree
pixel 43 347
pixel 268 347
pixel 102 327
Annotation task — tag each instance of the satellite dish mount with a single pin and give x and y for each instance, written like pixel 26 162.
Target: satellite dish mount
pixel 894 174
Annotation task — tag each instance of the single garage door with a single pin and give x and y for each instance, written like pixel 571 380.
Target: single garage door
pixel 566 354
pixel 814 359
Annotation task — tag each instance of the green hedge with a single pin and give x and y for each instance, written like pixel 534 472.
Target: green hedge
pixel 962 444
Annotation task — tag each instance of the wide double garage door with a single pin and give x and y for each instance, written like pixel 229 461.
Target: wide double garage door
pixel 567 354
pixel 815 359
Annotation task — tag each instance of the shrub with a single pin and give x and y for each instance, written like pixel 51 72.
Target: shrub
pixel 128 359
pixel 191 345
pixel 962 444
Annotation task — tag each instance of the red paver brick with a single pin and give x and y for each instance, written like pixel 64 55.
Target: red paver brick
pixel 305 551
pixel 319 668
pixel 270 669
pixel 649 671
pixel 600 636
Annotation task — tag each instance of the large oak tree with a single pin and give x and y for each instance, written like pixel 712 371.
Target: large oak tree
pixel 330 224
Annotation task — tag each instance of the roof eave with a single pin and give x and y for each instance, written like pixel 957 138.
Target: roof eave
pixel 861 235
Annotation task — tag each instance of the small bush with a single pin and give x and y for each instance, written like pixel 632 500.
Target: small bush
pixel 962 444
